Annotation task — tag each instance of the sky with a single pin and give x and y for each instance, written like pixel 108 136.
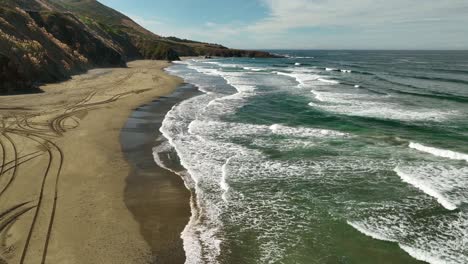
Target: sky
pixel 306 24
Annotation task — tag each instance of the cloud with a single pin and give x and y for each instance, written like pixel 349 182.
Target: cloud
pixel 291 14
pixel 378 24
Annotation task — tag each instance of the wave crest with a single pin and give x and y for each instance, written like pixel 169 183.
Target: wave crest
pixel 444 153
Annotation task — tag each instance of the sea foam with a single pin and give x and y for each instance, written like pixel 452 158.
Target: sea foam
pixel 445 182
pixel 432 248
pixel 317 96
pixel 233 181
pixel 439 152
pixel 425 187
pixel 423 255
pixel 306 79
pixel 328 81
pixel 366 231
pixel 377 106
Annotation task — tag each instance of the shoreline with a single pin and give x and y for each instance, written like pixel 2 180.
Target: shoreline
pixel 156 196
pixel 64 175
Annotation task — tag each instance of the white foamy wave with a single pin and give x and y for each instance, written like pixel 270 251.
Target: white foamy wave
pixel 302 78
pixel 164 147
pixel 295 76
pixel 244 88
pixel 202 235
pixel 251 212
pixel 212 62
pixel 297 64
pixel 446 183
pixel 226 65
pixel 317 96
pixel 204 90
pixel 434 251
pixel 201 152
pixel 253 69
pixel 284 144
pixel 328 81
pixel 281 55
pixel 303 69
pixel 192 246
pixel 217 129
pixel 205 84
pixel 439 152
pixel 424 255
pixel 367 105
pixel 304 132
pixel 439 238
pixel 203 145
pixel 179 62
pixel 338 70
pixel 223 182
pixel 207 71
pixel 239 81
pixel 425 187
pixel 267 205
pixel 239 185
pixel 357 86
pixel 225 104
pixel 229 103
pixel 361 227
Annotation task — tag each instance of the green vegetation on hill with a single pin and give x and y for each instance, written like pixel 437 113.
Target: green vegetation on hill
pixel 49 40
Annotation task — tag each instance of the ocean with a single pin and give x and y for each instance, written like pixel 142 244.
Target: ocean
pixel 323 157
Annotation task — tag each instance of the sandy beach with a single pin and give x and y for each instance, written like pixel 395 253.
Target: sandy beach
pixel 63 179
pixel 156 196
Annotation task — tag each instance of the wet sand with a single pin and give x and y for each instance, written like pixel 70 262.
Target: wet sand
pixel 157 197
pixel 63 175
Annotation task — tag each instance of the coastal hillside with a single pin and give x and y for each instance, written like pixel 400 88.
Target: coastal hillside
pixel 45 41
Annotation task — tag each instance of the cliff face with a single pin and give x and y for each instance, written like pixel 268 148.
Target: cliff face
pixel 49 40
pixel 30 54
pixel 69 30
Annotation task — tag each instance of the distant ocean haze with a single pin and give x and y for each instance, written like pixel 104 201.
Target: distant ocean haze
pixel 325 157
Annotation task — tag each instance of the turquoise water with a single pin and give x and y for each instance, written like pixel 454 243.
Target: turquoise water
pixel 325 157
